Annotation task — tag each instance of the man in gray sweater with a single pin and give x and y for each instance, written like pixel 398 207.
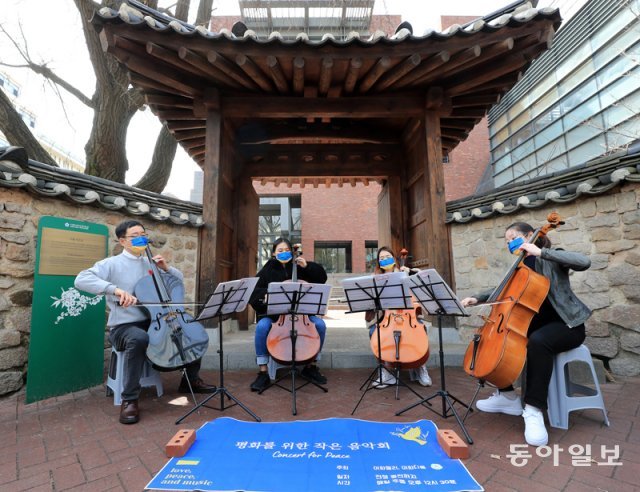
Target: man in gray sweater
pixel 116 278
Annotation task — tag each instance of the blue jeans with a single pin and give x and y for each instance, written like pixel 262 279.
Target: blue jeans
pixel 262 331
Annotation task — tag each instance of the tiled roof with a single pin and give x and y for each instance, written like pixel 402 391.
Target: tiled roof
pixel 593 178
pixel 17 171
pixel 177 65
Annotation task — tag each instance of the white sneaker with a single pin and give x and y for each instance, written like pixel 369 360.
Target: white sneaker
pixel 535 433
pixel 499 403
pixel 423 375
pixel 387 379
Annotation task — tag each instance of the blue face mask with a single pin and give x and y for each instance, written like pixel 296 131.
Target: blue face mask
pixel 514 245
pixel 284 257
pixel 140 241
pixel 387 263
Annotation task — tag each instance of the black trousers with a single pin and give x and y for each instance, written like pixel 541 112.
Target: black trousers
pixel 543 344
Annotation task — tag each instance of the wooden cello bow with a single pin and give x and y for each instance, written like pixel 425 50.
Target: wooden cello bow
pixel 498 350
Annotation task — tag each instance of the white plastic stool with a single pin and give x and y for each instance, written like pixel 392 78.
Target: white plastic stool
pixel 115 384
pixel 565 395
pixel 272 368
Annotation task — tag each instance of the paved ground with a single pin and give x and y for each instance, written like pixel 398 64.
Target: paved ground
pixel 75 442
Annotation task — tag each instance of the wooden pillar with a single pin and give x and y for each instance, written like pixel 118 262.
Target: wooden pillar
pixel 247 207
pixel 215 260
pixel 439 244
pixel 390 217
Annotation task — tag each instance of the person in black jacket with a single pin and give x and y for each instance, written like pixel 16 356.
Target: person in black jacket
pixel 278 269
pixel 557 327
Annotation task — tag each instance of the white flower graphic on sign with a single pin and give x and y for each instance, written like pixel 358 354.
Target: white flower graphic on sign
pixel 73 303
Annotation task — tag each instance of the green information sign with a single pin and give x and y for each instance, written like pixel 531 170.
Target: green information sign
pixel 67 326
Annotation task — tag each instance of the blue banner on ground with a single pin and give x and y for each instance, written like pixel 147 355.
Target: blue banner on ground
pixel 315 456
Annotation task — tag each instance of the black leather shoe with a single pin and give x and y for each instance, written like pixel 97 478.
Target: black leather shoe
pixel 312 373
pixel 129 413
pixel 198 386
pixel 262 382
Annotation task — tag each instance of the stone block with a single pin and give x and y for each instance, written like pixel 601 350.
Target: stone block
pixel 626 202
pixel 9 338
pixel 623 275
pixel 602 346
pixel 625 364
pixel 12 357
pixel 630 342
pixel 627 316
pixel 603 220
pixel 614 246
pixel 10 381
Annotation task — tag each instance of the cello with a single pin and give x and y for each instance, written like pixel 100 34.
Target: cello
pixel 403 339
pixel 498 349
pixel 175 340
pixel 293 338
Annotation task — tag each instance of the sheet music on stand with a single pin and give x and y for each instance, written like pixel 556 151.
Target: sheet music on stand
pixel 387 289
pixel 229 297
pixel 300 298
pixel 433 293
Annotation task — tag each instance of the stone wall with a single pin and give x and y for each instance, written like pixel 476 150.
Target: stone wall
pixel 605 227
pixel 20 212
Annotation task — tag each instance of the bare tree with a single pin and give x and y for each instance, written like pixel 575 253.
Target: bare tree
pixel 114 103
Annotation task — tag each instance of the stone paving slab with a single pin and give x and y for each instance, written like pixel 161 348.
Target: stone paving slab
pixel 75 443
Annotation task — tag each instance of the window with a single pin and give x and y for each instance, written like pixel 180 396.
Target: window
pixel 335 257
pixel 370 250
pixel 279 216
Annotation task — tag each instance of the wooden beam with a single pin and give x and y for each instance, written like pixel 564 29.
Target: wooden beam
pixel 253 71
pixel 274 168
pixel 168 100
pixel 458 61
pixel 176 81
pixel 355 64
pixel 171 58
pixel 189 134
pixel 186 125
pixel 298 74
pixel 507 65
pixel 140 81
pixel 326 69
pixel 207 69
pixel 296 107
pixel 175 114
pixel 486 57
pixel 277 74
pixel 483 100
pixel 381 67
pixel 399 71
pixel 359 134
pixel 232 70
pixel 426 67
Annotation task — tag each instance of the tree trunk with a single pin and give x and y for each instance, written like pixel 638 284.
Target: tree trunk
pixel 157 176
pixel 114 105
pixel 18 133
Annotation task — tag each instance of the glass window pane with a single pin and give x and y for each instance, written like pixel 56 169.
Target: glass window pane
pixel 582 113
pixel 621 136
pixel 503 178
pixel 585 131
pixel 502 164
pixel 578 96
pixel 593 148
pixel 580 54
pixel 548 134
pixel 524 166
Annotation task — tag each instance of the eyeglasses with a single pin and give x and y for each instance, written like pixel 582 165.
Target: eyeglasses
pixel 137 235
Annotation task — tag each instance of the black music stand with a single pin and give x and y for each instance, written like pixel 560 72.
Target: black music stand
pixel 378 292
pixel 293 299
pixel 436 298
pixel 229 297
